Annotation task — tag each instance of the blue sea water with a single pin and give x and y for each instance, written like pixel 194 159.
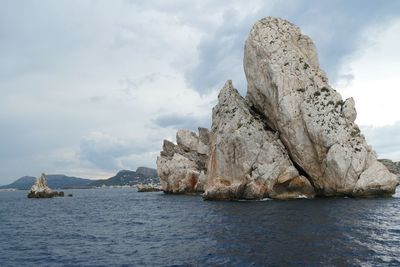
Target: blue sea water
pixel 120 227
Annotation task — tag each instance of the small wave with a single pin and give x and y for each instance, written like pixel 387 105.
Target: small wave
pixel 254 200
pixel 8 190
pixel 397 192
pixel 302 196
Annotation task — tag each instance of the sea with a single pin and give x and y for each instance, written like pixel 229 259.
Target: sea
pixel 121 227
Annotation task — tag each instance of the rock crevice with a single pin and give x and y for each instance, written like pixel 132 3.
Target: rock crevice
pixel 248 161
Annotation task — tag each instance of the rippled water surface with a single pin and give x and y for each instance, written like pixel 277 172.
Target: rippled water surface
pixel 114 227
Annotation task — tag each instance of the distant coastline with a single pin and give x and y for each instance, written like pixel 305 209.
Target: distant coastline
pixel 123 179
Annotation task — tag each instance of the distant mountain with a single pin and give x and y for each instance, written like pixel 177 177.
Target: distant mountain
pixel 142 175
pixel 55 181
pixel 148 172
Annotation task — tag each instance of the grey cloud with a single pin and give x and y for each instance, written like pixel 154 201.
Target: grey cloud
pixel 335 26
pixel 345 79
pixel 221 55
pixel 129 85
pixel 385 140
pixel 36 37
pixel 178 121
pixel 102 152
pixel 109 153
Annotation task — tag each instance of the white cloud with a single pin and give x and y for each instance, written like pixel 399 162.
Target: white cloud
pixel 374 71
pixel 84 98
pixel 385 140
pixel 371 77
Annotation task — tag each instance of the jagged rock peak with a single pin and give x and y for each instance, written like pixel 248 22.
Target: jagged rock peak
pixel 41 185
pixel 287 86
pixel 247 161
pixel 182 166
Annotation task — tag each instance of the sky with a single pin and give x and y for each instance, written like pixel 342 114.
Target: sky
pixel 88 88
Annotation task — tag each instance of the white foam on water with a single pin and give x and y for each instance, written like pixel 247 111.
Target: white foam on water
pixel 397 193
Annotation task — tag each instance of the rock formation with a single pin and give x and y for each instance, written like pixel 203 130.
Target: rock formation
pixel 287 86
pixel 182 167
pixel 41 190
pixel 293 136
pixel 148 188
pixel 247 160
pixel 393 167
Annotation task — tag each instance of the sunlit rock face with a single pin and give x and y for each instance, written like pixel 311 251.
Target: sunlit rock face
pixel 182 167
pixel 41 190
pixel 247 160
pixel 287 86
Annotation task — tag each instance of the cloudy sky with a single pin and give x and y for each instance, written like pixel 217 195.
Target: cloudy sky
pixel 91 87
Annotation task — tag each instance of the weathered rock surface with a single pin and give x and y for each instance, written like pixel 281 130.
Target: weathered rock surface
pixel 148 188
pixel 287 86
pixel 393 167
pixel 41 190
pixel 182 167
pixel 247 160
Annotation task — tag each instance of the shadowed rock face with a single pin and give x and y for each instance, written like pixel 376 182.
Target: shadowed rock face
pixel 247 160
pixel 286 85
pixel 182 167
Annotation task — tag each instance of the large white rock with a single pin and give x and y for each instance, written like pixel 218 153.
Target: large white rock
pixel 182 167
pixel 40 185
pixel 287 86
pixel 247 160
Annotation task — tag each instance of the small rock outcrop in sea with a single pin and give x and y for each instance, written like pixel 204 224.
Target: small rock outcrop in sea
pixel 247 160
pixel 293 136
pixel 148 188
pixel 182 167
pixel 41 190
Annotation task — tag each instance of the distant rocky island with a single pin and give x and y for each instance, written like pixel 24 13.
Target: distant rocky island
pixel 142 175
pixel 41 190
pixel 293 136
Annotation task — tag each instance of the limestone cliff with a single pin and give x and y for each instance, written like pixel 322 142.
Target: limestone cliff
pixel 293 135
pixel 286 85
